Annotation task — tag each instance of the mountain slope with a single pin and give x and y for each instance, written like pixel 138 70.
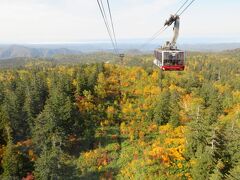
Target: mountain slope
pixel 22 51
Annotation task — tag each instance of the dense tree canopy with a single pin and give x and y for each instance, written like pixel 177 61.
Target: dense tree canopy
pixel 66 120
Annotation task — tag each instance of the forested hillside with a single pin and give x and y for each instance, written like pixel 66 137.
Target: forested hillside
pixel 110 121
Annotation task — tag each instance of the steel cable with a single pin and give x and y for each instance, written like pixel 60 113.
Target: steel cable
pixel 103 13
pixel 165 27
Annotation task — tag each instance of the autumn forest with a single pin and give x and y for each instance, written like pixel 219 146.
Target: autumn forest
pixel 91 117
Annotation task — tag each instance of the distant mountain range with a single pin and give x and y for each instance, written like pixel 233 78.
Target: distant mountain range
pixel 16 51
pixel 210 47
pixel 50 50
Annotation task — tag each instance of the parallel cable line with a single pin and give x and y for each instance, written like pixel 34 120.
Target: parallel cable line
pixel 187 7
pixel 154 36
pixel 108 27
pixel 113 29
pixel 165 27
pixel 103 13
pixel 181 7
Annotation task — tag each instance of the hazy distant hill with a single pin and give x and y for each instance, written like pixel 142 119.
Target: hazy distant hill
pixel 233 51
pixel 16 51
pixel 210 47
pixel 50 50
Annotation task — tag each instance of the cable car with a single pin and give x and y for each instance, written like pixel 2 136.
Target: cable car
pixel 170 60
pixel 169 57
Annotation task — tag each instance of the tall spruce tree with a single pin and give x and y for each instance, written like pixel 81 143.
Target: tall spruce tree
pixel 162 110
pixel 203 166
pixel 59 119
pixel 174 109
pixel 36 94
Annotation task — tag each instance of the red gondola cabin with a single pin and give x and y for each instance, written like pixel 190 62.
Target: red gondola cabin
pixel 170 60
pixel 169 57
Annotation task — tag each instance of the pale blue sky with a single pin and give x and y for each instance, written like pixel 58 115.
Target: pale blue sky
pixel 57 21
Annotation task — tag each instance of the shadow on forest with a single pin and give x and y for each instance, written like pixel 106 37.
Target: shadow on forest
pixel 95 175
pixel 104 138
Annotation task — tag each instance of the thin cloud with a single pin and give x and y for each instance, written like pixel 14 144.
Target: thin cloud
pixel 75 20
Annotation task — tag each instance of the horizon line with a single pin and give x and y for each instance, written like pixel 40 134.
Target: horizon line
pixel 108 42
